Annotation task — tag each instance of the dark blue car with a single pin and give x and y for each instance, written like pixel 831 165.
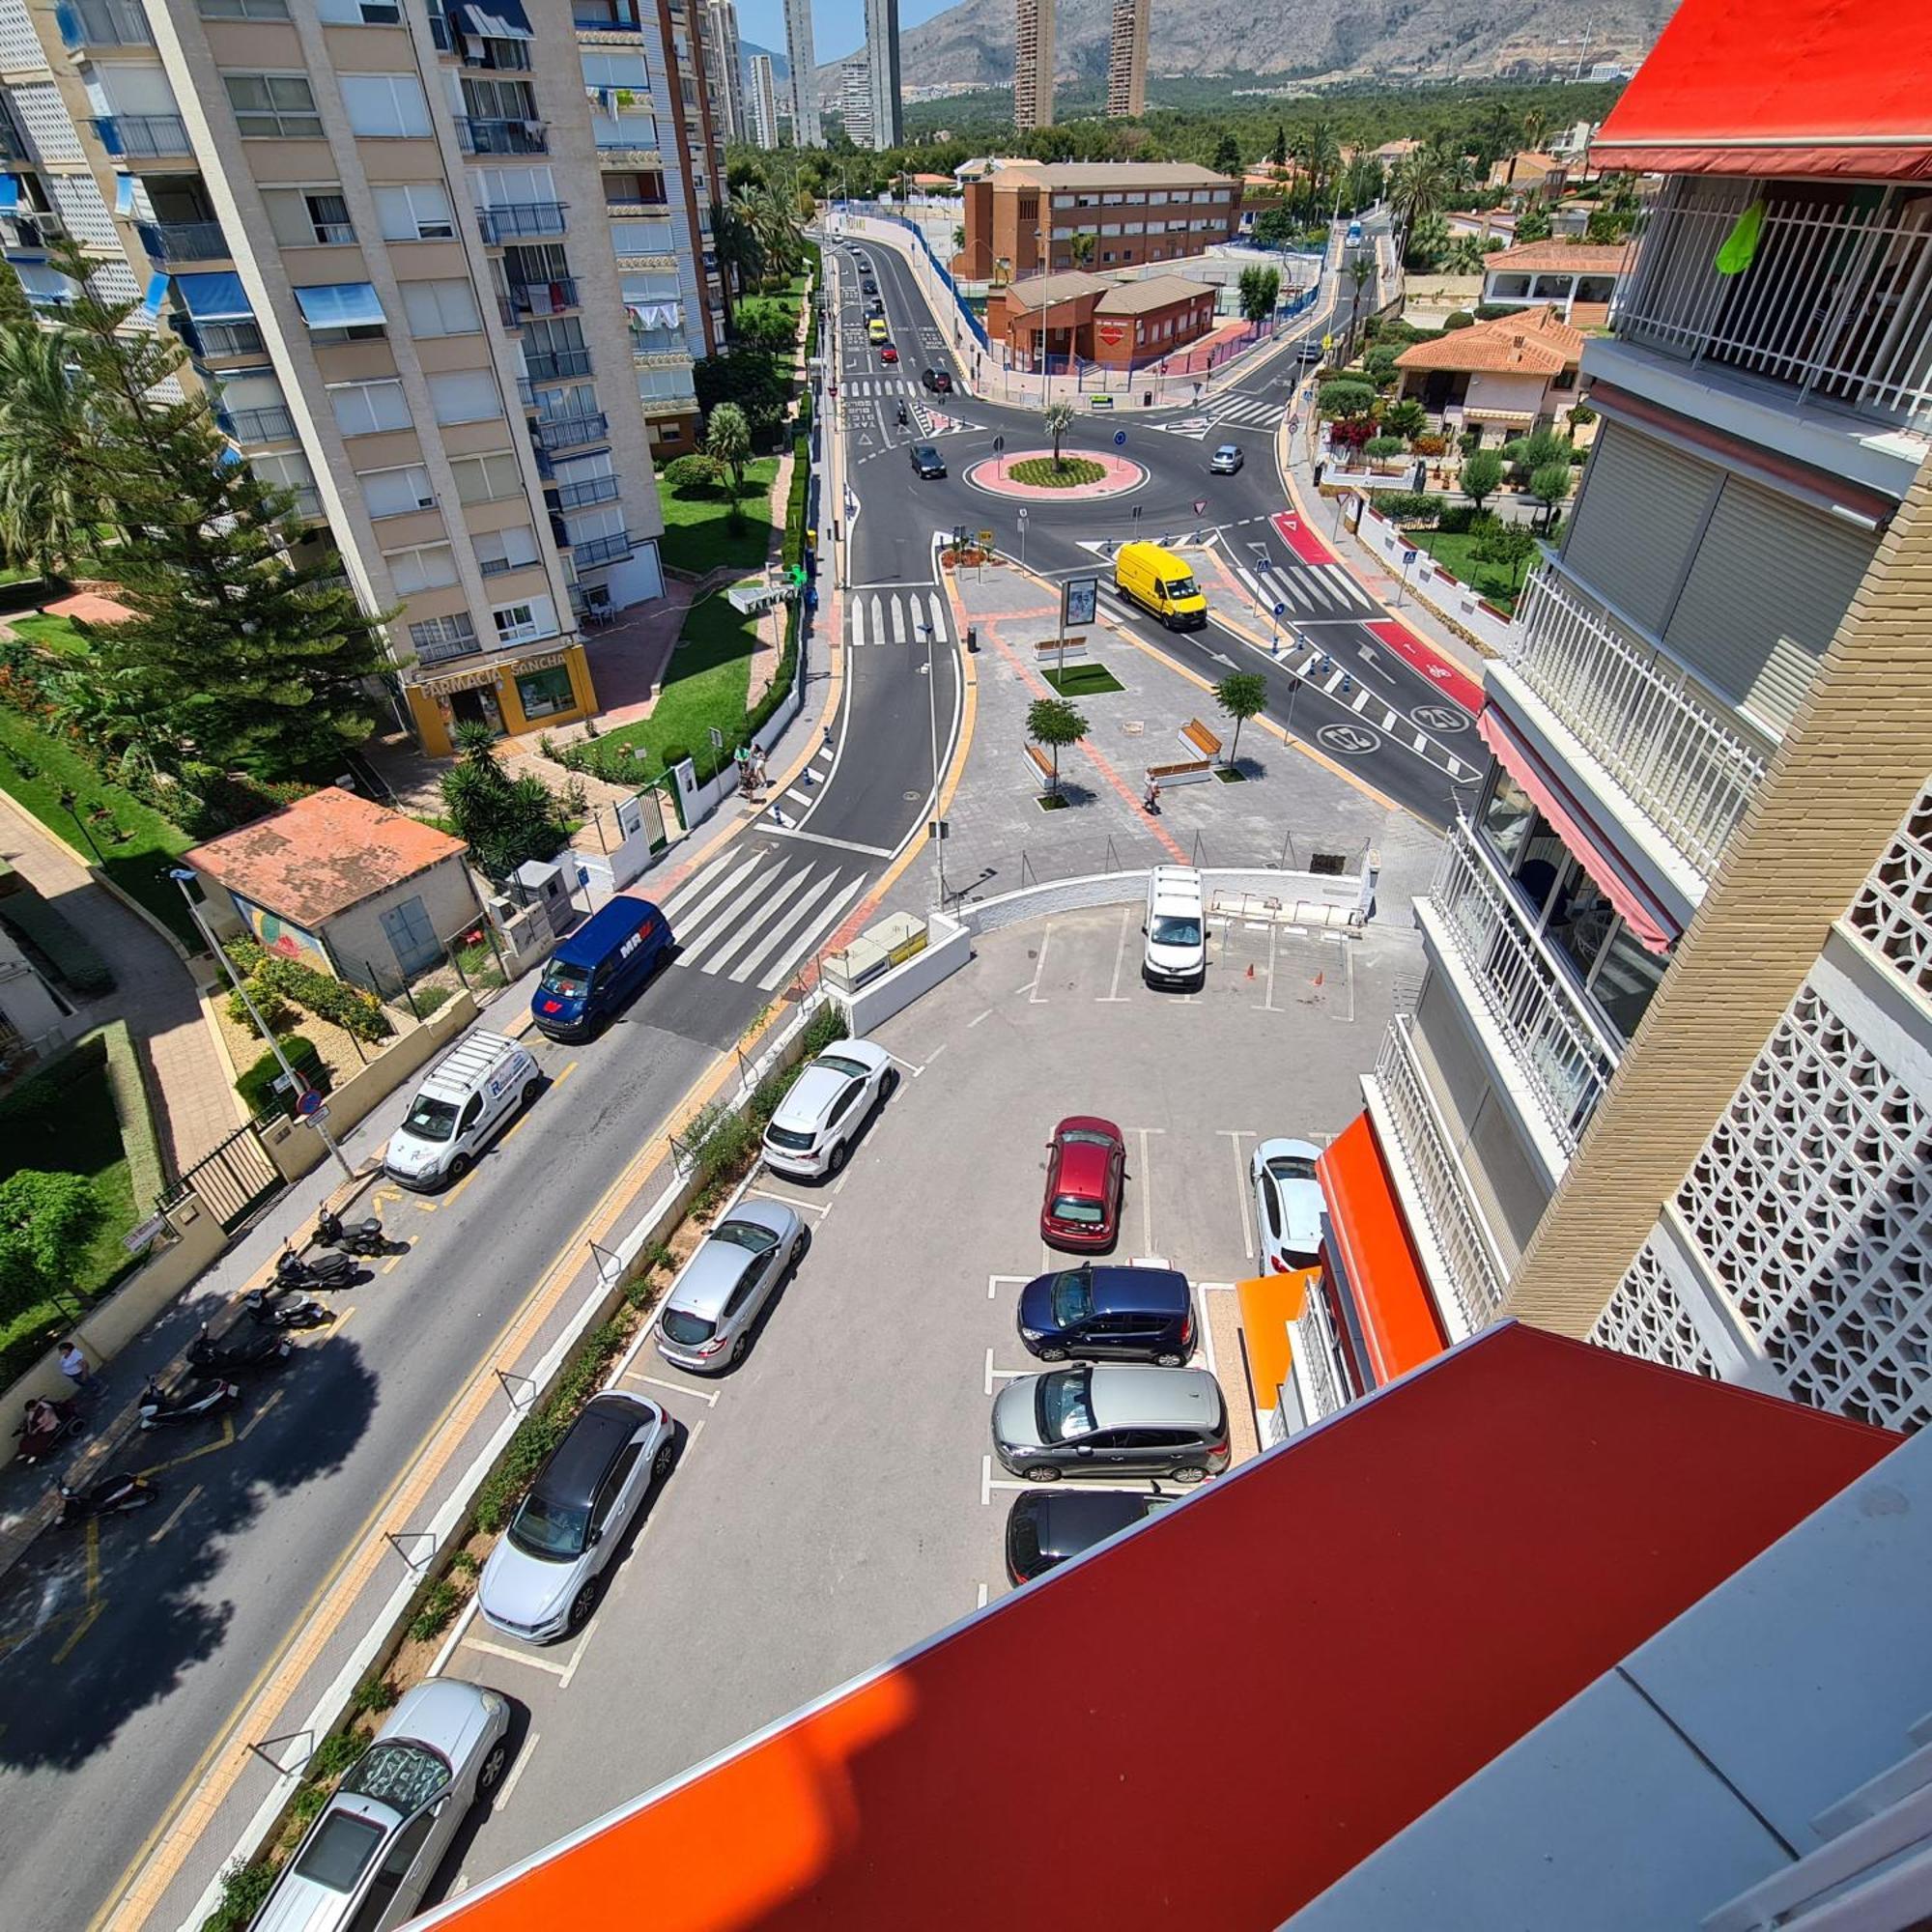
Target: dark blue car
pixel 1108 1313
pixel 594 970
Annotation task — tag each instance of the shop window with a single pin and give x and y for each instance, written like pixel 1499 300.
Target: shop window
pixel 544 693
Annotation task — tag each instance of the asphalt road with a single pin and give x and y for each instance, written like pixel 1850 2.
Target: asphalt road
pixel 124 1654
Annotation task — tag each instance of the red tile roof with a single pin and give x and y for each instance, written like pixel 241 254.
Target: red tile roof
pixel 1364 1617
pixel 1578 258
pixel 1532 342
pixel 322 854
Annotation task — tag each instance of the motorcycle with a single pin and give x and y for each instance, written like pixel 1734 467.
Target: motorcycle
pixel 364 1238
pixel 272 1308
pixel 190 1400
pixel 240 1351
pixel 326 1272
pixel 111 1495
pixel 38 1436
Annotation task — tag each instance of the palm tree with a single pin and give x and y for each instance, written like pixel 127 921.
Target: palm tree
pixel 1362 270
pixel 1418 184
pixel 48 504
pixel 1057 421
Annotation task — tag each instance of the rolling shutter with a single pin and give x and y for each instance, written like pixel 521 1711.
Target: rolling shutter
pixel 1770 582
pixel 1637 522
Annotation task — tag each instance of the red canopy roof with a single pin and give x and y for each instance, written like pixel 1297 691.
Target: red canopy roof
pixel 1363 1617
pixel 1780 87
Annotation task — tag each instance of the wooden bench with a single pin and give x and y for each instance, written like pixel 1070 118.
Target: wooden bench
pixel 1186 771
pixel 1048 651
pixel 1197 737
pixel 1041 763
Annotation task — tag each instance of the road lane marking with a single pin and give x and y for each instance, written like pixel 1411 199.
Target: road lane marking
pixel 510 1784
pixel 825 838
pixel 566 1074
pixel 709 1396
pixel 175 1514
pixel 504 1651
pixel 986 1016
pixel 390 1265
pixel 1113 995
pixel 81 1629
pixel 249 1427
pixel 808 940
pixel 1235 1137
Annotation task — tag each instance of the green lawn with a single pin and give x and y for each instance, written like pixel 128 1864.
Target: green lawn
pixel 707 684
pixel 1082 680
pixel 697 534
pixel 54 634
pixel 35 768
pixel 1042 473
pixel 1454 553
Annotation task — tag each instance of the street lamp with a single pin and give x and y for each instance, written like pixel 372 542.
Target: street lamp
pixel 69 804
pixel 938 825
pixel 183 879
pixel 1023 525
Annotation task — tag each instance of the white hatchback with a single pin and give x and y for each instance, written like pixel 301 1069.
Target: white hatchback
pixel 1288 1202
pixel 812 1131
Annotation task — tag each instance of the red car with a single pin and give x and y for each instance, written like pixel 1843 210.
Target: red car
pixel 887 353
pixel 1086 1170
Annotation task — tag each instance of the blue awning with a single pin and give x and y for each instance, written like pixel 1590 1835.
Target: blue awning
pixel 157 294
pixel 216 298
pixel 341 305
pixel 124 195
pixel 10 195
pixel 492 20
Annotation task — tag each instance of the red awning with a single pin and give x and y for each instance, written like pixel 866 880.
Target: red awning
pixel 1641 912
pixel 1385 1281
pixel 1777 87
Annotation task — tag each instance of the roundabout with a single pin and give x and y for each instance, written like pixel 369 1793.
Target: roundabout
pixel 1098 474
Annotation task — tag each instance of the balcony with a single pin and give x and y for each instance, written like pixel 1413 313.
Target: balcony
pixel 1677 752
pixel 173 242
pixel 208 339
pixel 657 342
pixel 657 210
pixel 552 297
pixel 1561 1055
pixel 1318 1366
pixel 506 221
pixel 496 56
pixel 1835 303
pixel 605 21
pixel 1466 1264
pixel 273 424
pixel 446 648
pixel 601 550
pixel 143 137
pixel 557 433
pixel 558 364
pixel 12 148
pixel 102 23
pixel 591 490
pixel 308 501
pixel 30 231
pixel 501 137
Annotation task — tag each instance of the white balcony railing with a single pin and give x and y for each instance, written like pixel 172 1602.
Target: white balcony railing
pixel 1835 301
pixel 1323 1379
pixel 1680 754
pixel 1566 1060
pixel 1477 1277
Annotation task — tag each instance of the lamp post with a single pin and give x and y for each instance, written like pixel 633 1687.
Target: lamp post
pixel 1023 525
pixel 183 879
pixel 68 804
pixel 937 824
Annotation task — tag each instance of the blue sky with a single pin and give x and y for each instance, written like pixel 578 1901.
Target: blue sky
pixel 838 26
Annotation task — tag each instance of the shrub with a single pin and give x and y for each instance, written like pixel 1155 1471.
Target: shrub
pixel 695 473
pixel 373 1694
pixel 1409 506
pixel 257 1085
pixel 244 1888
pixel 1581 415
pixel 1460 318
pixel 276 1014
pixel 537 1434
pixel 1351 435
pixel 1469 441
pixel 1379 365
pixel 1430 446
pixel 1493 311
pixel 1379 448
pixel 1461 519
pixel 328 998
pixel 1406 417
pixel 440 1601
pixel 1345 399
pixel 335 1754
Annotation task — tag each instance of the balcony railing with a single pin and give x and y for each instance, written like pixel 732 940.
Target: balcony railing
pixel 591 490
pixel 1835 301
pixel 500 56
pixel 446 648
pixel 183 241
pixel 1477 1276
pixel 558 363
pixel 30 231
pixel 1566 1058
pixel 102 23
pixel 271 424
pixel 658 342
pixel 601 550
pixel 506 221
pixel 223 338
pixel 1316 1354
pixel 501 137
pixel 143 137
pixel 552 297
pixel 604 20
pixel 308 500
pixel 1680 753
pixel 557 433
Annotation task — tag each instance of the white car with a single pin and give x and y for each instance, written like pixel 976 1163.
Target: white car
pixel 540 1582
pixel 1288 1204
pixel 826 1109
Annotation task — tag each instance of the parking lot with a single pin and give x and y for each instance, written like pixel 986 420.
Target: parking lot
pixel 834 1499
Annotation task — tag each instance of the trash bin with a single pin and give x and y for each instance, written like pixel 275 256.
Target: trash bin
pixel 972 636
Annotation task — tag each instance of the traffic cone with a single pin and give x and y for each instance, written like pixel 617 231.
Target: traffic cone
pixel 1318 977
pixel 1251 969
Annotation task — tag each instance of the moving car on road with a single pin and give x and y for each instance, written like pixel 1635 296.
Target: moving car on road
pixel 597 968
pixel 380 1838
pixel 1157 580
pixel 465 1101
pixel 887 352
pixel 876 328
pixel 1049 1528
pixel 1226 460
pixel 1288 1202
pixel 1085 1171
pixel 705 1325
pixel 1108 1313
pixel 938 381
pixel 1113 1421
pixel 926 461
pixel 828 1107
pixel 1311 351
pixel 540 1582
pixel 871 287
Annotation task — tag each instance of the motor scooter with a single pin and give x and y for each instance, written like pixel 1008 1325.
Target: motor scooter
pixel 323 1274
pixel 360 1237
pixel 241 1350
pixel 111 1495
pixel 193 1399
pixel 272 1308
pixel 41 1436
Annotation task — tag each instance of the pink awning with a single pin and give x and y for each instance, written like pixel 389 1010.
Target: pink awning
pixel 1640 910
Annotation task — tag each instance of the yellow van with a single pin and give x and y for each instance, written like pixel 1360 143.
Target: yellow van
pixel 1157 580
pixel 876 328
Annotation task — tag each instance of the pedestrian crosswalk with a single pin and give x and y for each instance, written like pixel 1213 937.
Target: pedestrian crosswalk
pixel 1308 592
pixel 749 915
pixel 1234 410
pixel 894 616
pixel 865 387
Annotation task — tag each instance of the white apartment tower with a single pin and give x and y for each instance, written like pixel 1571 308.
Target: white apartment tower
pixel 803 59
pixel 1668 1083
pixel 1127 57
pixel 761 99
pixel 724 69
pixel 1033 64
pixel 882 63
pixel 855 101
pixel 442 269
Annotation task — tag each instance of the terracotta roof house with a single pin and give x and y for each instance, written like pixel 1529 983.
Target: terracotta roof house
pixel 1120 324
pixel 1580 277
pixel 1530 169
pixel 1514 373
pixel 341 884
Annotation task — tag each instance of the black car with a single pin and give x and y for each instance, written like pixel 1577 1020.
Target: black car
pixel 1043 1530
pixel 1108 1313
pixel 928 461
pixel 938 381
pixel 871 287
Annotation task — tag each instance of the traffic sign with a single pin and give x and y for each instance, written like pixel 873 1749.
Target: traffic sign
pixel 999 444
pixel 1200 504
pixel 1327 342
pixel 309 1103
pixel 1120 438
pixel 1280 608
pixel 986 536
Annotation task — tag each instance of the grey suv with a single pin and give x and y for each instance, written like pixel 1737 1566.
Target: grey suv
pixel 1112 1420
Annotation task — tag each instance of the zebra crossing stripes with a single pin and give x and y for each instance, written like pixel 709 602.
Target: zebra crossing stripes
pixel 1312 591
pixel 1244 412
pixel 895 617
pixel 752 916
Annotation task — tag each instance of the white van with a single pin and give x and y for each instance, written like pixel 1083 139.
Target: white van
pixel 466 1097
pixel 1176 927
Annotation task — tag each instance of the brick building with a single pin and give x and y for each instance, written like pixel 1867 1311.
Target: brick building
pixel 1118 324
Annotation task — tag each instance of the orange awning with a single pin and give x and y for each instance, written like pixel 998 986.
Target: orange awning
pixel 1384 1281
pixel 1268 1303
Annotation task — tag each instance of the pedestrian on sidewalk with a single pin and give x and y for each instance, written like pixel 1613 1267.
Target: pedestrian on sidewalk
pixel 742 759
pixel 1150 803
pixel 73 1366
pixel 761 779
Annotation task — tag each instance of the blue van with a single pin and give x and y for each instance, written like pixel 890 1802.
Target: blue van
pixel 593 972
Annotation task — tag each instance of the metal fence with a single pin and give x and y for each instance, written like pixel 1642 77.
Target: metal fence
pixel 469 960
pixel 233 1179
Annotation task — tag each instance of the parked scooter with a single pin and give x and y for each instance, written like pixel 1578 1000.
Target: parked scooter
pixel 362 1238
pixel 241 1350
pixel 111 1495
pixel 45 1426
pixel 193 1399
pixel 273 1308
pixel 322 1275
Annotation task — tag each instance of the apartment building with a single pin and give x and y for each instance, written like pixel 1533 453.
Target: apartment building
pixel 803 61
pixel 443 270
pixel 1127 57
pixel 723 67
pixel 761 103
pixel 855 102
pixel 1668 1079
pixel 882 70
pixel 1033 64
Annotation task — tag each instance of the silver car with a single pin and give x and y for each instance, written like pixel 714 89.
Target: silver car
pixel 1288 1202
pixel 540 1582
pixel 705 1325
pixel 828 1107
pixel 1226 460
pixel 1114 1421
pixel 380 1838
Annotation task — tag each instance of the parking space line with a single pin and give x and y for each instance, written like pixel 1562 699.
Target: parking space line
pixel 225 1441
pixel 709 1396
pixel 972 1023
pixel 516 1770
pixel 1144 1176
pixel 1002 1374
pixel 455 1192
pixel 1112 994
pixel 504 1651
pixel 340 1323
pixel 590 1629
pixel 389 1266
pixel 1274 934
pixel 248 1428
pixel 788 1201
pixel 1039 966
pixel 993 1282
pixel 1235 1137
pixel 983 1594
pixel 566 1074
pixel 1082 1485
pixel 81 1629
pixel 180 1509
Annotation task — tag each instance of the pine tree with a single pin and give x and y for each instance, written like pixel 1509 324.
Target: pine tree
pixel 239 655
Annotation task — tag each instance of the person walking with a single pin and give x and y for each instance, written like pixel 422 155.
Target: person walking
pixel 1150 803
pixel 73 1366
pixel 760 781
pixel 742 759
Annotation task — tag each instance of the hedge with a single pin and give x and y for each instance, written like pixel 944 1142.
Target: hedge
pixel 357 1012
pixel 257 1085
pixel 50 932
pixel 139 1141
pixel 1409 506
